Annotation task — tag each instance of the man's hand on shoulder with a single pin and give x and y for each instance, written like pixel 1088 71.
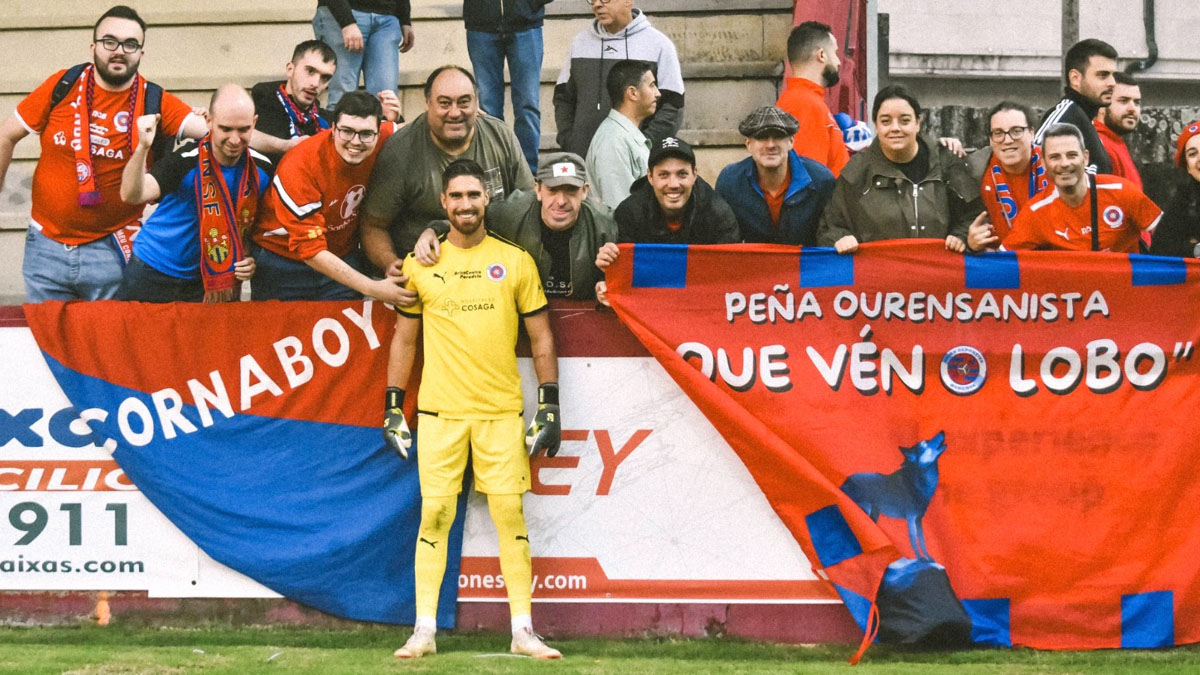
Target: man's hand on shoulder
pixel 392 290
pixel 428 249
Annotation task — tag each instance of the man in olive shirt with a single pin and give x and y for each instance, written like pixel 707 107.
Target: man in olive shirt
pixel 404 194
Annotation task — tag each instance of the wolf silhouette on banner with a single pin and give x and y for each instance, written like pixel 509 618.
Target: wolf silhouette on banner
pixel 902 494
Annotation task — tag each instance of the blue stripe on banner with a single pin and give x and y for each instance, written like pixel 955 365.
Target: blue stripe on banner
pixel 989 621
pixel 660 265
pixel 993 270
pixel 831 536
pixel 268 498
pixel 1148 620
pixel 1153 270
pixel 822 267
pixel 859 607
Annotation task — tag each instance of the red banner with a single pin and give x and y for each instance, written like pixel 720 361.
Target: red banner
pixel 1021 420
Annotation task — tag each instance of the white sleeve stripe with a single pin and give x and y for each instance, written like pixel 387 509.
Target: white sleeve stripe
pixel 22 121
pixel 297 210
pixel 1151 226
pixel 179 135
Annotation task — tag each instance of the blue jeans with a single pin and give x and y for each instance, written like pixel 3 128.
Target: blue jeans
pixel 524 53
pixel 55 271
pixel 143 283
pixel 280 278
pixel 379 60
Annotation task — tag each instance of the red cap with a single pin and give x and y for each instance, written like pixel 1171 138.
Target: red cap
pixel 1192 129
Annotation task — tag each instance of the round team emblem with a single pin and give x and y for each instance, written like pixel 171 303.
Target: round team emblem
pixel 82 172
pixel 963 370
pixel 121 121
pixel 496 272
pixel 1114 217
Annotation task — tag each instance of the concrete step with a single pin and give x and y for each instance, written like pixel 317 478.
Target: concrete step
pixel 199 57
pixel 26 14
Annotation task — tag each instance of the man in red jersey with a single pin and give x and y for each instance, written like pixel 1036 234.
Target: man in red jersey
pixel 1116 121
pixel 80 231
pixel 307 233
pixel 1062 218
pixel 812 52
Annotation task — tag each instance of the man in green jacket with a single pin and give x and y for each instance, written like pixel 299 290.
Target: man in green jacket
pixel 560 227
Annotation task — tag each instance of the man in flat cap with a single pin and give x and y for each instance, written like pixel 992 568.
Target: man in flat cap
pixel 776 195
pixel 557 224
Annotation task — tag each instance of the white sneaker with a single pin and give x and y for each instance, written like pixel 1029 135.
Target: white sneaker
pixel 420 644
pixel 526 642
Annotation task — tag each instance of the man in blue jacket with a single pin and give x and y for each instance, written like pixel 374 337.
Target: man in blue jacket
pixel 512 29
pixel 776 195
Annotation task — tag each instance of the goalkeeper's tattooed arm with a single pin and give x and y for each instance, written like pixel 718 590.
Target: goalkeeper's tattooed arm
pixel 545 433
pixel 401 355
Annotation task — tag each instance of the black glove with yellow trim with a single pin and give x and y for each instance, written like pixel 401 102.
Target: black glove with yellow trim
pixel 545 433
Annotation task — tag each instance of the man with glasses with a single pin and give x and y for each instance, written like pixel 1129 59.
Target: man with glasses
pixel 581 99
pixel 80 231
pixel 306 239
pixel 1010 170
pixel 289 110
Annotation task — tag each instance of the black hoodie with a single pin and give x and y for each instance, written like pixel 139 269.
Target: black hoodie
pixel 707 219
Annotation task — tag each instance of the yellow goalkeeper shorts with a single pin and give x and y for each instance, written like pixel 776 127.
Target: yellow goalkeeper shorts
pixel 496 448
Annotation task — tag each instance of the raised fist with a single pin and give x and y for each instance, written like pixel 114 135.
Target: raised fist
pixel 147 126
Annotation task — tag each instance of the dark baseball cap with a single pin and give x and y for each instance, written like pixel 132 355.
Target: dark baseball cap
pixel 561 168
pixel 671 147
pixel 766 118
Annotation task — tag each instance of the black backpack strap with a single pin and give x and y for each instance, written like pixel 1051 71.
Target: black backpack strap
pixel 63 87
pixel 153 100
pixel 1094 193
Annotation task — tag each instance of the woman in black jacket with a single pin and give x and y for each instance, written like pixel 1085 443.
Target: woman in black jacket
pixel 1178 234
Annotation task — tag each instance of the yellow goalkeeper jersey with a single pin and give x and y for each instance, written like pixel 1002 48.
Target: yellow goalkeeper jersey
pixel 471 302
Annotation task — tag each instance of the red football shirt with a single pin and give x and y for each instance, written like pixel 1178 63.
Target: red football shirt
pixel 819 137
pixel 55 186
pixel 1049 223
pixel 314 199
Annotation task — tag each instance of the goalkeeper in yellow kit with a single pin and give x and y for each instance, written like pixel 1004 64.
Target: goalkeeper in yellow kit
pixel 469 305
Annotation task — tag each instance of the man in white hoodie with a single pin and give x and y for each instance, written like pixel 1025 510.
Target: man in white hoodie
pixel 619 32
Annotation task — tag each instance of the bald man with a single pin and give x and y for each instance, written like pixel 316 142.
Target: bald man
pixel 189 251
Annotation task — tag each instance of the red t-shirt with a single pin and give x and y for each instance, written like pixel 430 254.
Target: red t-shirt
pixel 55 186
pixel 1124 215
pixel 314 199
pixel 819 137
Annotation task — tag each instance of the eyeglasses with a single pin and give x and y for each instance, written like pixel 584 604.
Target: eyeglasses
pixel 364 135
pixel 110 43
pixel 592 2
pixel 1014 133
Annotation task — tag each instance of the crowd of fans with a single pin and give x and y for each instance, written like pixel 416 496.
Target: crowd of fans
pixel 304 202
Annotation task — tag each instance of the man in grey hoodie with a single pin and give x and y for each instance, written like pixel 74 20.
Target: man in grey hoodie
pixel 581 101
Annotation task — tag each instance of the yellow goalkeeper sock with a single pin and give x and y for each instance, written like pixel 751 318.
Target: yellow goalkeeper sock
pixel 437 515
pixel 509 517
